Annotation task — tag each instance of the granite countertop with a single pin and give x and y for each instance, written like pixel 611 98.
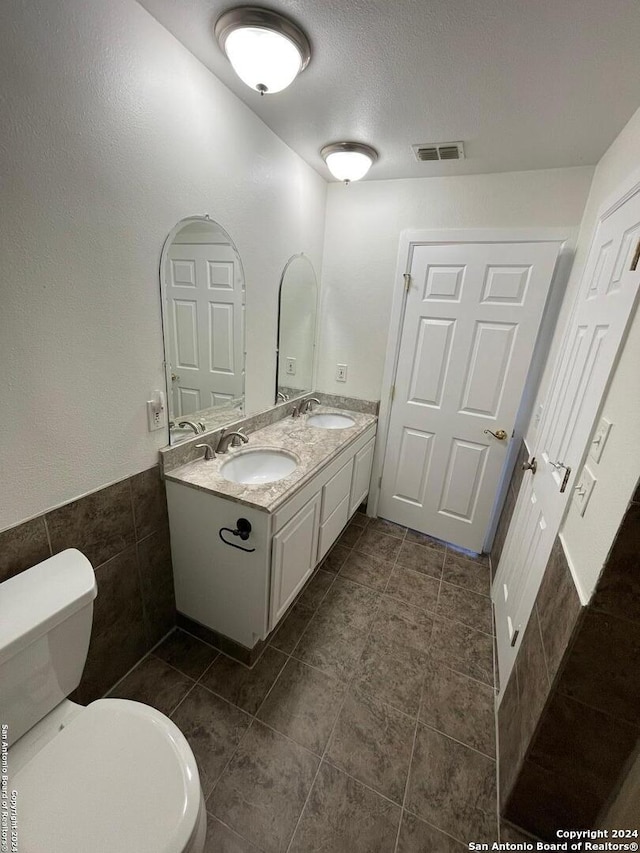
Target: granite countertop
pixel 313 446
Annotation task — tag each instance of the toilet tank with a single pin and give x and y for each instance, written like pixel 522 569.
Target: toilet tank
pixel 45 626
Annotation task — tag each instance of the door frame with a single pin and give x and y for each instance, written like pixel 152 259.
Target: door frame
pixel 409 239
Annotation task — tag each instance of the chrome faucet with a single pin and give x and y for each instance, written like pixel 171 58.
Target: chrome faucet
pixel 191 424
pixel 231 438
pixel 209 452
pixel 282 396
pixel 306 405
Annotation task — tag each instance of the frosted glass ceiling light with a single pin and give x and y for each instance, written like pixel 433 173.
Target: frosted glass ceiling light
pixel 349 161
pixel 267 51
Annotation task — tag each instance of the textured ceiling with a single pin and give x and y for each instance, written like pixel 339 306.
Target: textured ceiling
pixel 526 84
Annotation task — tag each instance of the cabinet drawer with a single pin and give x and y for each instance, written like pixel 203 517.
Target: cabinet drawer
pixel 334 492
pixel 332 527
pixel 361 476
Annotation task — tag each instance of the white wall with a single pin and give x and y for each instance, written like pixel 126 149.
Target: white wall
pixel 587 538
pixel 363 228
pixel 111 133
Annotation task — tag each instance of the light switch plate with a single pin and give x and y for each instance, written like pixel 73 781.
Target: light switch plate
pixel 599 439
pixel 341 373
pixel 290 368
pixel 583 489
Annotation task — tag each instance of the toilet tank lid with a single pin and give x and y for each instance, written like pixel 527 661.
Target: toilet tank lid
pixel 38 599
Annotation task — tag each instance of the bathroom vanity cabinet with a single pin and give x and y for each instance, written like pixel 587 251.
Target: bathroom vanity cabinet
pixel 243 594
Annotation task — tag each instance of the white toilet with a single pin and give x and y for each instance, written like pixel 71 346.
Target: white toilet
pixel 114 777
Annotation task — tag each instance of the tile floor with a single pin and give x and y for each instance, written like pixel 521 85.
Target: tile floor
pixel 367 723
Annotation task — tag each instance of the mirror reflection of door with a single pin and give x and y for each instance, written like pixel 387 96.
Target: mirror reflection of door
pixel 296 329
pixel 203 312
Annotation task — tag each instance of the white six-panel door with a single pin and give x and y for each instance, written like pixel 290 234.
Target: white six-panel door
pixel 604 305
pixel 204 301
pixel 470 323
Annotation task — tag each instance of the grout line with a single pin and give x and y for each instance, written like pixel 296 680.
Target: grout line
pixel 330 763
pixel 455 739
pixel 173 710
pixel 171 666
pixel 146 619
pixel 404 807
pixel 536 613
pixel 464 844
pixel 464 624
pixel 193 636
pixel 466 588
pixel 497 742
pixel 333 727
pixel 406 783
pixel 46 530
pixel 315 754
pixel 144 657
pixel 208 667
pixel 133 512
pixel 287 658
pixel 235 832
pixel 313 616
pixel 226 767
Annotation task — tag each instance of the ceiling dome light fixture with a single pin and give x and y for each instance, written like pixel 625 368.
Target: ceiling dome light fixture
pixel 349 161
pixel 267 50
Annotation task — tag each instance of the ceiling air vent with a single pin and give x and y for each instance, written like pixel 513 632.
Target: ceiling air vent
pixel 443 151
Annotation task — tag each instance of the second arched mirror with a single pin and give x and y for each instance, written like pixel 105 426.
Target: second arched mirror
pixel 297 309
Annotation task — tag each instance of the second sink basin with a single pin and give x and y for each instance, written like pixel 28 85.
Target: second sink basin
pixel 328 420
pixel 259 465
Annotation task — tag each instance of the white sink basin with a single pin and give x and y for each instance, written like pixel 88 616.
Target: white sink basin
pixel 259 465
pixel 330 421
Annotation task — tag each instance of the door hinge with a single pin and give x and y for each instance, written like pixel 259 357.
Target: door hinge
pixel 407 281
pixel 636 258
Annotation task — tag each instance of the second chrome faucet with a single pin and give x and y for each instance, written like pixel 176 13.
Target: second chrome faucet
pixel 227 439
pixel 231 439
pixel 304 407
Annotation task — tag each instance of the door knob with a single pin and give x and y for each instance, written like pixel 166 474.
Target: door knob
pixel 500 434
pixel 530 466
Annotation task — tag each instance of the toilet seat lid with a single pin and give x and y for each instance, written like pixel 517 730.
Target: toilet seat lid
pixel 120 778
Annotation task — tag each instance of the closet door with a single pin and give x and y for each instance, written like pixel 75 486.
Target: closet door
pixel 601 314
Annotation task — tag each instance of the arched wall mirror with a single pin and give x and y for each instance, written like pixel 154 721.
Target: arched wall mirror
pixel 203 299
pixel 297 309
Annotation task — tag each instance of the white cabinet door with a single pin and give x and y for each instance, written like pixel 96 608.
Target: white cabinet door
pixel 361 476
pixel 333 527
pixel 294 557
